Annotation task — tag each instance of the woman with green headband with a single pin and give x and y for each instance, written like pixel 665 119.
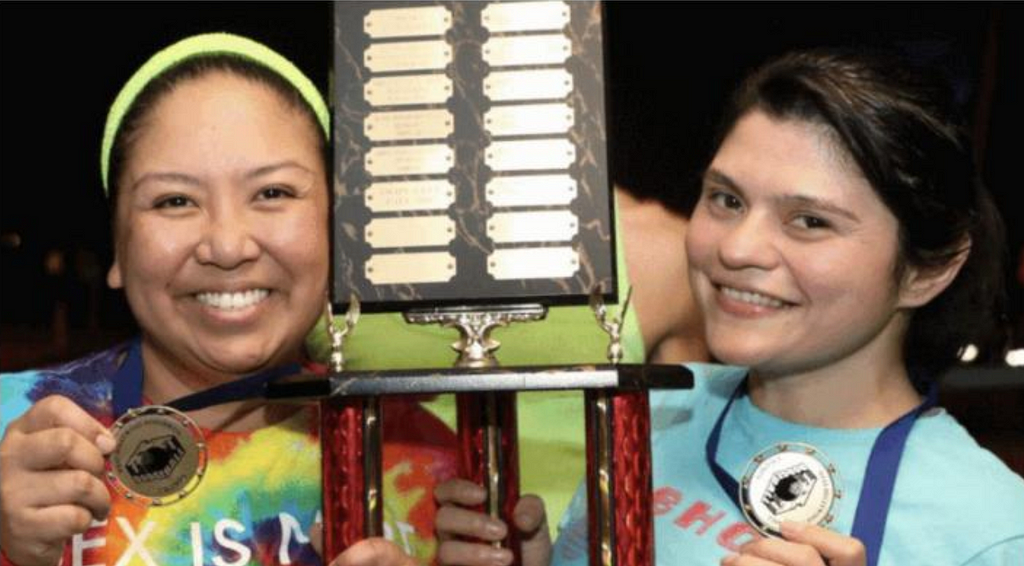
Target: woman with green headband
pixel 213 160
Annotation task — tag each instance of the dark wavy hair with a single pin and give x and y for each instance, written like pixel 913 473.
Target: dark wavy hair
pixel 901 126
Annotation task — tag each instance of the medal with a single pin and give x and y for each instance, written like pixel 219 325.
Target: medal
pixel 789 482
pixel 160 455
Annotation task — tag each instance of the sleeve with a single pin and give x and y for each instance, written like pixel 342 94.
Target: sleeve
pixel 14 398
pixel 571 544
pixel 1009 552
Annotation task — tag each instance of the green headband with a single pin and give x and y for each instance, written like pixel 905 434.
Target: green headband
pixel 205 44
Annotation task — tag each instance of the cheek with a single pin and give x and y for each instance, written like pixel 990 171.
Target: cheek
pixel 701 238
pixel 153 253
pixel 301 240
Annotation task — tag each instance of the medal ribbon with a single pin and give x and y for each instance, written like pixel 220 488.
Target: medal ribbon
pixel 127 392
pixel 879 476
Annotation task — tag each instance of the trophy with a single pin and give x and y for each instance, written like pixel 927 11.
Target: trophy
pixel 471 191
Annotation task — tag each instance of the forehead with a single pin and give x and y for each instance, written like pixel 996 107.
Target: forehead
pixel 782 155
pixel 218 116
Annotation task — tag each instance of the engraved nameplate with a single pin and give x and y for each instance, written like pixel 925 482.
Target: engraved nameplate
pixel 409 160
pixel 410 232
pixel 527 50
pixel 528 85
pixel 405 90
pixel 407 56
pixel 400 196
pixel 530 154
pixel 409 125
pixel 531 190
pixel 426 267
pixel 529 119
pixel 533 263
pixel 525 16
pixel 542 226
pixel 407 22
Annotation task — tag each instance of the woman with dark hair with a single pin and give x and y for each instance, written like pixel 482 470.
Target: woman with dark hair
pixel 842 253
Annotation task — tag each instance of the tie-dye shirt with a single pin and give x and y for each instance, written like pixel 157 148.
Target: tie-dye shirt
pixel 261 491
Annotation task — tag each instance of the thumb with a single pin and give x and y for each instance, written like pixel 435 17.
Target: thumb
pixel 531 520
pixel 837 549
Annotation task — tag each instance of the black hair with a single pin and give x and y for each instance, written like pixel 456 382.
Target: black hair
pixel 902 129
pixel 189 69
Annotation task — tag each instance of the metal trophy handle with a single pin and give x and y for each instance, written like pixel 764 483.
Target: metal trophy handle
pixel 487 427
pixel 621 527
pixel 350 439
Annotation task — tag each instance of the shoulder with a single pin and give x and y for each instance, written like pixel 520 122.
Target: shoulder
pixel 946 473
pixel 86 381
pixel 713 384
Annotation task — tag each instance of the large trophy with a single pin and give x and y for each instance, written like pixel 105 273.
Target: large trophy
pixel 471 190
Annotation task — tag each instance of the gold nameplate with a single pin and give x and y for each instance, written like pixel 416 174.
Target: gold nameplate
pixel 410 232
pixel 531 190
pixel 528 85
pixel 409 125
pixel 527 50
pixel 525 16
pixel 530 155
pixel 409 160
pixel 403 196
pixel 407 22
pixel 427 267
pixel 533 263
pixel 542 226
pixel 529 119
pixel 401 91
pixel 407 56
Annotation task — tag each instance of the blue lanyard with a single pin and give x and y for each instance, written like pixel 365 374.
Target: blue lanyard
pixel 879 476
pixel 127 392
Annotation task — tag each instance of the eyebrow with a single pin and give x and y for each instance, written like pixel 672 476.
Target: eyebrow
pixel 717 176
pixel 273 167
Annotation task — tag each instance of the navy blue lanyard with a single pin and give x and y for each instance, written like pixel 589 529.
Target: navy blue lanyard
pixel 879 476
pixel 127 392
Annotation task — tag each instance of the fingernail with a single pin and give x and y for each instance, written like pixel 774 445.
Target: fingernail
pixel 730 559
pixel 105 442
pixel 500 556
pixel 494 529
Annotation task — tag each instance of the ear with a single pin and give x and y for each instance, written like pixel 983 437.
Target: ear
pixel 920 285
pixel 114 279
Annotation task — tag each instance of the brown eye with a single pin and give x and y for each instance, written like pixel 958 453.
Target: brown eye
pixel 275 192
pixel 173 201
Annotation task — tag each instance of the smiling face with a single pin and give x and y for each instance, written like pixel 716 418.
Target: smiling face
pixel 792 255
pixel 221 228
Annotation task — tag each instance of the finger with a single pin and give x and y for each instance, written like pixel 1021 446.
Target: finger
pixel 747 560
pixel 460 492
pixel 529 515
pixel 316 538
pixel 454 521
pixel 459 553
pixel 59 448
pixel 373 552
pixel 70 487
pixel 840 550
pixel 56 524
pixel 778 551
pixel 56 411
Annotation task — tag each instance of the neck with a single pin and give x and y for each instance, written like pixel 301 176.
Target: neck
pixel 167 379
pixel 867 390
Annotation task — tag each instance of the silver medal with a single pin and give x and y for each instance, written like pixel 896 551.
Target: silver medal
pixel 789 482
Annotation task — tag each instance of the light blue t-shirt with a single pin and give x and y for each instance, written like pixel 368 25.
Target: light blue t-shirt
pixel 954 502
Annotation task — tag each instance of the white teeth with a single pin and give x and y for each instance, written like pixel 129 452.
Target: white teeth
pixel 752 298
pixel 232 301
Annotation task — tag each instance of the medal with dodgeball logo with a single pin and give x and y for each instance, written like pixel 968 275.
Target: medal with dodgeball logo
pixel 160 456
pixel 789 482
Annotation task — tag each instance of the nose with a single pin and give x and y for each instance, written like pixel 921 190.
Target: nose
pixel 227 241
pixel 749 242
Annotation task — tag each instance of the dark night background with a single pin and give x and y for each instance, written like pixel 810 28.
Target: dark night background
pixel 671 66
